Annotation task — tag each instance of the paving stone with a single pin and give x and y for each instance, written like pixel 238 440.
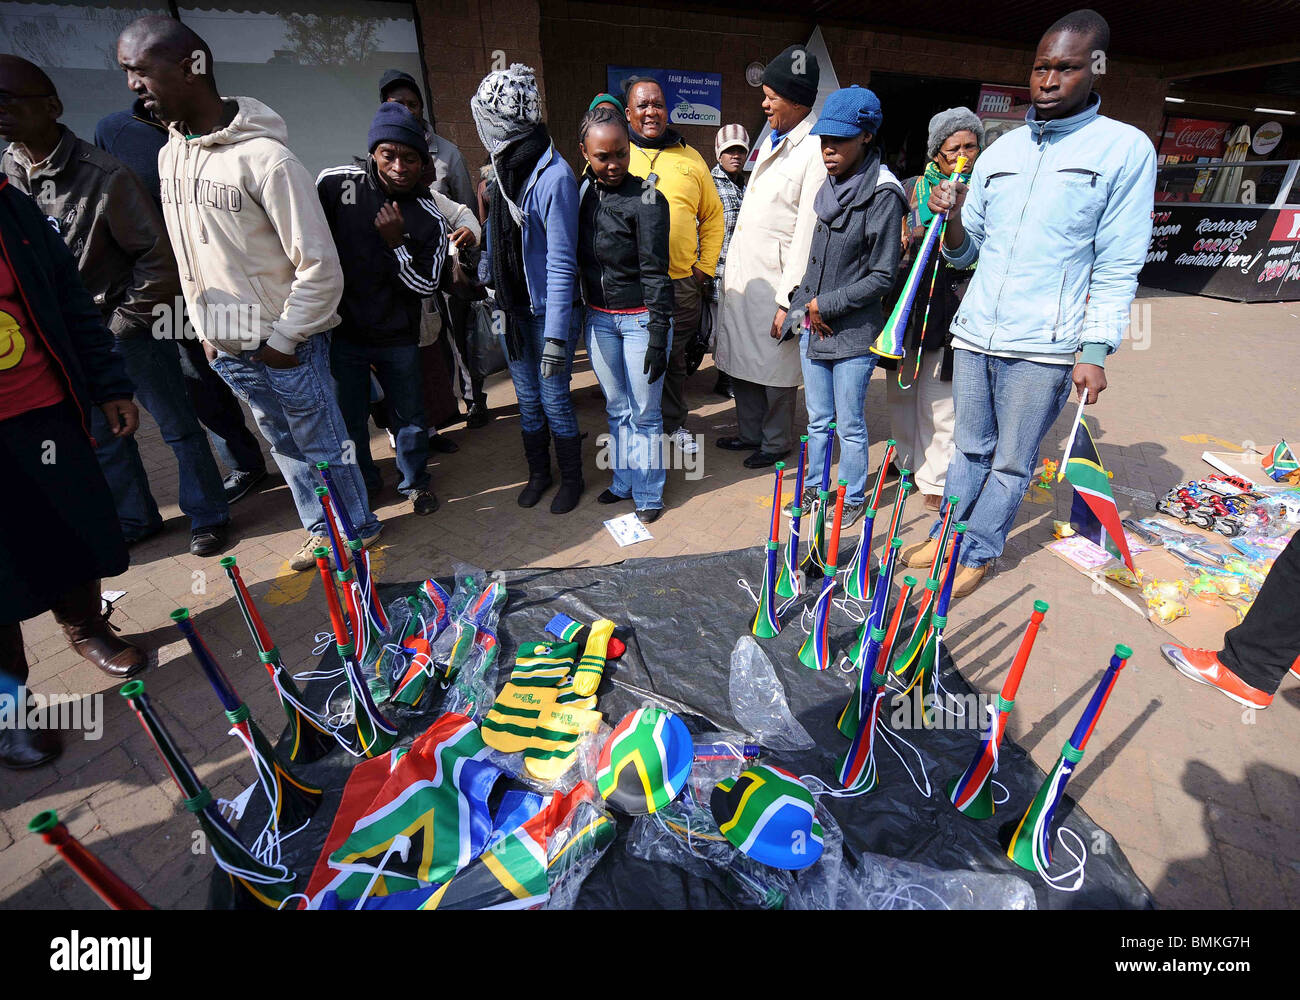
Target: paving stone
pixel 1253 882
pixel 1202 804
pixel 1254 834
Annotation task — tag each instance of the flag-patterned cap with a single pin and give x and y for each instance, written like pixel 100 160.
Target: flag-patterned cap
pixel 645 762
pixel 768 814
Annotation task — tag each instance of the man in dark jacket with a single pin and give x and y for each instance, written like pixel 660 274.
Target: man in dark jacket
pixel 111 225
pixel 135 137
pixel 57 366
pixel 392 242
pixel 445 173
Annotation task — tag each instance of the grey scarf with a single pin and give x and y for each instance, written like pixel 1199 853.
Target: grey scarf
pixel 837 194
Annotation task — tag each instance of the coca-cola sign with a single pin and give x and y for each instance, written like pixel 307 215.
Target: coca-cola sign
pixel 1189 138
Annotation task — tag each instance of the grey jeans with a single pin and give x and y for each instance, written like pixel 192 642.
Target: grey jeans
pixel 765 414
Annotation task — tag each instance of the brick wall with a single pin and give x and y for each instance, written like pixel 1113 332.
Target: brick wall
pixel 580 38
pixel 461 39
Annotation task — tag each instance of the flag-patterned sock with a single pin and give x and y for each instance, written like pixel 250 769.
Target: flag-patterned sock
pixel 511 723
pixel 543 664
pixel 587 677
pixel 559 730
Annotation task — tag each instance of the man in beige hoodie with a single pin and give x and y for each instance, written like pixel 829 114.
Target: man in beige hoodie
pixel 258 266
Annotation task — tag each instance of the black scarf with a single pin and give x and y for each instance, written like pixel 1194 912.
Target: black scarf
pixel 513 165
pixel 670 137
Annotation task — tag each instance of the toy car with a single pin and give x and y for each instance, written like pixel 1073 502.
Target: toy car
pixel 1226 485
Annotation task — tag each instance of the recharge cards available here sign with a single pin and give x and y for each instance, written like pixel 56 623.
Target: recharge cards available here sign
pixel 693 98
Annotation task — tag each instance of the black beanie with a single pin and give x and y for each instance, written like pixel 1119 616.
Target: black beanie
pixel 393 123
pixel 801 87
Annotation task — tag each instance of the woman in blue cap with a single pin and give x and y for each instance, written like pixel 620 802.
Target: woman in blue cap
pixel 836 308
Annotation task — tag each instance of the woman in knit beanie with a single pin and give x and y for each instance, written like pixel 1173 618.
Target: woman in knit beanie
pixel 531 265
pixel 920 398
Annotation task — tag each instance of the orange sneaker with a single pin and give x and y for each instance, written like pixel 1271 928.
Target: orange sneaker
pixel 1203 666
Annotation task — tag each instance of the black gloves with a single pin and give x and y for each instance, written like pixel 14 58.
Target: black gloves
pixel 554 356
pixel 656 356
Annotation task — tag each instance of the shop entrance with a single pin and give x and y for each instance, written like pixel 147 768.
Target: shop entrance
pixel 908 103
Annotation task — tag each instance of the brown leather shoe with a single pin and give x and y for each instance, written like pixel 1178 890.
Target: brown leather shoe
pixel 919 553
pixel 93 638
pixel 967 579
pixel 933 502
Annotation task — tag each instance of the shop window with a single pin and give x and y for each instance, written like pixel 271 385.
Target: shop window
pixel 77 47
pixel 317 65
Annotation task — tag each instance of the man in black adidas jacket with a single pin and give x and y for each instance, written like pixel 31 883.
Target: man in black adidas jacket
pixel 392 243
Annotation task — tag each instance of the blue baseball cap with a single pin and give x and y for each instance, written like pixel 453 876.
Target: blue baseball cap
pixel 848 112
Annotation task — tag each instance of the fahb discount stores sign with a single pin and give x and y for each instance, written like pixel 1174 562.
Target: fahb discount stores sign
pixel 693 98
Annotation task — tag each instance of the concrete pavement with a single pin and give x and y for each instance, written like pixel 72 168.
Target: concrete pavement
pixel 1201 795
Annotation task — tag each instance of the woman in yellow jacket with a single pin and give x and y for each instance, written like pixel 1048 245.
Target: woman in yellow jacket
pixel 695 229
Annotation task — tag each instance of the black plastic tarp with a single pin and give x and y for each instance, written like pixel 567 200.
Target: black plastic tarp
pixel 681 618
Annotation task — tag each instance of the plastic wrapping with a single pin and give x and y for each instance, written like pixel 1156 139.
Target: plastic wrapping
pixel 758 700
pixel 684 834
pixel 574 848
pixel 681 617
pixel 883 883
pixel 818 888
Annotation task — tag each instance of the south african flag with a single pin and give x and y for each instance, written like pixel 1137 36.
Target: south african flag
pixel 437 795
pixel 1280 462
pixel 1087 475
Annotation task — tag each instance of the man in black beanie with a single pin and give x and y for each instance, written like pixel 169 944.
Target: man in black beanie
pixel 392 243
pixel 766 260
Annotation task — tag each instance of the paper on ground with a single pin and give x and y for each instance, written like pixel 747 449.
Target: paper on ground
pixel 628 530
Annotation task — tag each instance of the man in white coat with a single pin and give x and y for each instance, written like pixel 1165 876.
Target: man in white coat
pixel 769 251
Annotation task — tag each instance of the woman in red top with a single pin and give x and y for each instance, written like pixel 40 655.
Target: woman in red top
pixel 62 534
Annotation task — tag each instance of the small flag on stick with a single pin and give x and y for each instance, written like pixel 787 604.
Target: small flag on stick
pixel 1082 467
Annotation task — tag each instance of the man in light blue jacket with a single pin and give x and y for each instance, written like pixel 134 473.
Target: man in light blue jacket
pixel 1058 214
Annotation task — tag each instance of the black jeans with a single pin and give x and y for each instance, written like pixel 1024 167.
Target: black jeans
pixel 1265 645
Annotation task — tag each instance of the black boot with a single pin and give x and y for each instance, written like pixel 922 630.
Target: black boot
pixel 478 415
pixel 568 456
pixel 537 449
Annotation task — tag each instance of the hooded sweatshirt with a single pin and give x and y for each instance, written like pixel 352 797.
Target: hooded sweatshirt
pixel 257 261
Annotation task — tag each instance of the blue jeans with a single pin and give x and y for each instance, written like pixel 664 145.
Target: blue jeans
pixel 837 390
pixel 544 401
pixel 398 371
pixel 233 444
pixel 296 412
pixel 155 368
pixel 119 460
pixel 617 345
pixel 1003 406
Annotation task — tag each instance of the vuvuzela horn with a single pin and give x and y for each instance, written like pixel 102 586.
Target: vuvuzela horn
pixel 105 882
pixel 892 340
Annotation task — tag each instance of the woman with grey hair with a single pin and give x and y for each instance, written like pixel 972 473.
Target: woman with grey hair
pixel 920 398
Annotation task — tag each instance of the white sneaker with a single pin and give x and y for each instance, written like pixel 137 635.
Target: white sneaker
pixel 684 441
